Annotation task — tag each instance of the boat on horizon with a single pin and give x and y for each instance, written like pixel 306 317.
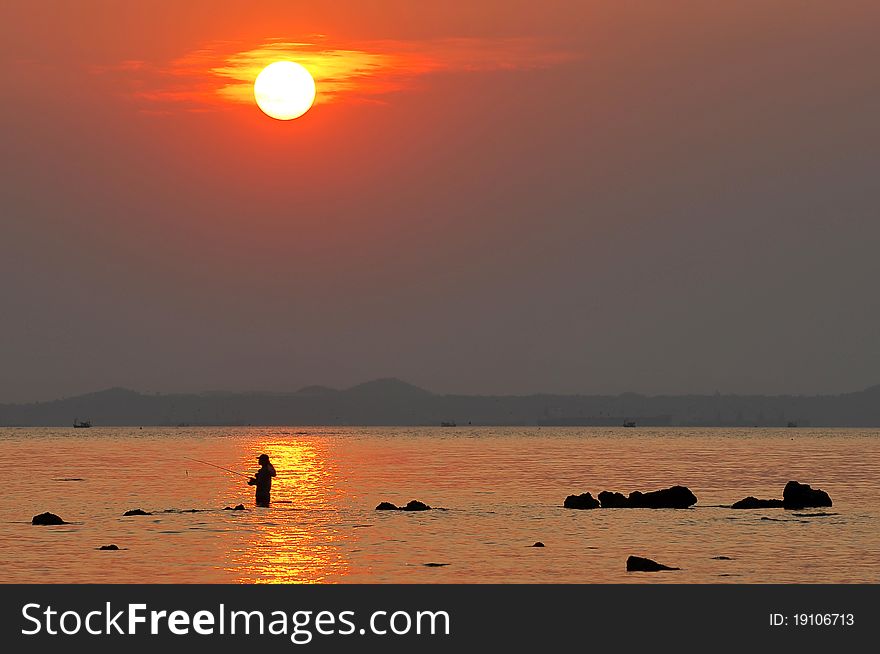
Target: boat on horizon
pixel 82 424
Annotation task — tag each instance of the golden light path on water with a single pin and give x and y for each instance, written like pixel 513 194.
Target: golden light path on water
pixel 295 552
pixel 502 488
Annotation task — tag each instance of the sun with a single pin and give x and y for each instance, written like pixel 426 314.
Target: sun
pixel 284 90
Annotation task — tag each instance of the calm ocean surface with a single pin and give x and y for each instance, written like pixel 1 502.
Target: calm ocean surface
pixel 502 487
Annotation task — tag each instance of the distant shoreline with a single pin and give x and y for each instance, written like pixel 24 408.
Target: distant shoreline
pixel 391 402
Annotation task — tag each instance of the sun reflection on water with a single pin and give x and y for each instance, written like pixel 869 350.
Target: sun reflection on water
pixel 285 544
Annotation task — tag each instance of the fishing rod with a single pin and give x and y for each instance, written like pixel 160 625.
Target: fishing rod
pixel 214 465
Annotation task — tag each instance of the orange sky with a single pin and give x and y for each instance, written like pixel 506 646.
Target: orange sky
pixel 488 196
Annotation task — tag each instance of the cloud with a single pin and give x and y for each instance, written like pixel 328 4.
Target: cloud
pixel 220 74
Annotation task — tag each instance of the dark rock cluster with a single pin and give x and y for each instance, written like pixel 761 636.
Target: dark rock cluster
pixel 412 505
pixel 583 501
pixel 675 497
pixel 794 496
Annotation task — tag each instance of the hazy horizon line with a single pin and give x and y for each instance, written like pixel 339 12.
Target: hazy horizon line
pixel 405 383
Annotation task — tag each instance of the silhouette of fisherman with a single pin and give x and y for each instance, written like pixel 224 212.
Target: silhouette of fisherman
pixel 262 479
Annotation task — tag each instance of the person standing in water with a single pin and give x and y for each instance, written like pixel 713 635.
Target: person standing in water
pixel 262 479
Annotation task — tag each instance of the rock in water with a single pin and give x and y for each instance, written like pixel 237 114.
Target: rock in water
pixel 611 500
pixel 640 564
pixel 237 507
pixel 47 519
pixel 538 544
pixel 110 547
pixel 412 505
pixel 754 503
pixel 676 497
pixel 136 512
pixel 801 496
pixel 583 501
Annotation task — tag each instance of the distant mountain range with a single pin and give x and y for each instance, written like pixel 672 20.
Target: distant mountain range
pixel 394 402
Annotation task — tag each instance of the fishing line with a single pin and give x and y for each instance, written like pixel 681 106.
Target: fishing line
pixel 214 465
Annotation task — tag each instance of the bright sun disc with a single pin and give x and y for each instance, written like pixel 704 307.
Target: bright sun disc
pixel 284 90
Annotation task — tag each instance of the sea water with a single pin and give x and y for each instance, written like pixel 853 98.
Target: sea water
pixel 500 491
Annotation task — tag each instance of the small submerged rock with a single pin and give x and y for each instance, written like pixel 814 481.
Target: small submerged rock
pixel 110 547
pixel 538 544
pixel 412 505
pixel 435 565
pixel 722 558
pixel 754 503
pixel 47 519
pixel 641 564
pixel 801 496
pixel 136 512
pixel 237 507
pixel 582 501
